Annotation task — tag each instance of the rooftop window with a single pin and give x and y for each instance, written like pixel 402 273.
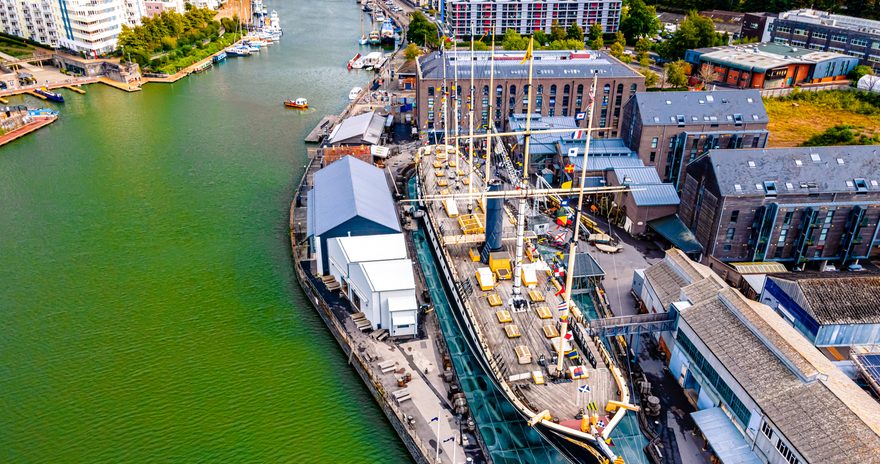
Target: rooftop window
pixel 680 119
pixel 798 163
pixel 737 187
pixel 815 157
pixel 738 119
pixel 710 98
pixel 770 187
pixel 861 185
pixel 839 160
pixel 750 100
pixel 752 164
pixel 789 186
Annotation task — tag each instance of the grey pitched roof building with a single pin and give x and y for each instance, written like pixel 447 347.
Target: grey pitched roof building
pixel 347 189
pixel 548 64
pixel 754 368
pixel 797 170
pixel 832 298
pixel 687 108
pixel 362 129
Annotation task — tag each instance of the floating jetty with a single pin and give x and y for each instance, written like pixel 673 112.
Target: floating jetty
pixel 35 94
pixel 76 89
pixel 38 123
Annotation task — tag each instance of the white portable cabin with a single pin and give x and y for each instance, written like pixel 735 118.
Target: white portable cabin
pixel 385 292
pixel 343 253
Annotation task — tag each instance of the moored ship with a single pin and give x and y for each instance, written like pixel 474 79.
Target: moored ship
pixel 513 306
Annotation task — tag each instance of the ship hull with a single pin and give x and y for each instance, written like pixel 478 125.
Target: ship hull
pixel 573 448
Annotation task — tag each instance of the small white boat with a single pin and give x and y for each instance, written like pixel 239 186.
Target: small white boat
pixel 354 93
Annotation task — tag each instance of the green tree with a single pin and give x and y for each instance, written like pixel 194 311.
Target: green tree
pixel 412 52
pixel 858 72
pixel 514 41
pixel 422 32
pixel 574 32
pixel 677 73
pixel 694 32
pixel 595 32
pixel 541 37
pixel 643 59
pixel 619 38
pixel 639 21
pixel 616 50
pixel 557 32
pixel 651 78
pixel 642 45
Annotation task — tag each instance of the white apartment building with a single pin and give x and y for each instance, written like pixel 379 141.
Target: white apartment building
pixel 90 26
pixel 528 16
pixel 37 20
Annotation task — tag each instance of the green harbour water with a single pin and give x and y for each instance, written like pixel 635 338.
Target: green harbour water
pixel 149 309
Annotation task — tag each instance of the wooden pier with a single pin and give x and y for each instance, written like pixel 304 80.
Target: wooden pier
pixel 35 94
pixel 76 89
pixel 119 85
pixel 322 129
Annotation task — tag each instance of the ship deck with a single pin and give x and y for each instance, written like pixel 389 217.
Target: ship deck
pixel 562 399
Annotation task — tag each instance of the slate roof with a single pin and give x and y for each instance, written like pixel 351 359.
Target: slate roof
pixel 714 107
pixel 824 415
pixel 598 147
pixel 363 128
pixel 834 298
pixel 347 189
pixel 547 64
pixel 797 170
pixel 666 282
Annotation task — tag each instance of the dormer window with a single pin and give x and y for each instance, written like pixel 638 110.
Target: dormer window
pixel 770 188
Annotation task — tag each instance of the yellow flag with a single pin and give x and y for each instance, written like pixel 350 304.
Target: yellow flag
pixel 528 51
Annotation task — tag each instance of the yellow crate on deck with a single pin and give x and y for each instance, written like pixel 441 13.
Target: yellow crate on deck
pixel 471 224
pixel 512 331
pixel 474 254
pixel 485 279
pixel 494 300
pixel 503 316
pixel 543 312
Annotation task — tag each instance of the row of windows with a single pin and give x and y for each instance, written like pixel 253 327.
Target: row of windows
pixel 786 453
pixel 736 406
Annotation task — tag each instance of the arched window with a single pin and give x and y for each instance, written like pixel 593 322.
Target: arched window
pixel 553 89
pixel 607 88
pixel 499 90
pixel 580 89
pixel 512 91
pixel 633 88
pixel 540 89
pixel 619 88
pixel 566 90
pixel 485 90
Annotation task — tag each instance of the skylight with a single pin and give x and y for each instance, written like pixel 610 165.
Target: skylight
pixel 770 187
pixel 815 157
pixel 798 163
pixel 789 186
pixel 737 187
pixel 752 164
pixel 839 160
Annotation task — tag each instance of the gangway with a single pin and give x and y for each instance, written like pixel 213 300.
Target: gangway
pixel 630 325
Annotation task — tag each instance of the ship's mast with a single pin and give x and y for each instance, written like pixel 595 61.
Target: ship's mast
pixel 523 184
pixel 471 129
pixel 455 90
pixel 572 249
pixel 491 125
pixel 444 95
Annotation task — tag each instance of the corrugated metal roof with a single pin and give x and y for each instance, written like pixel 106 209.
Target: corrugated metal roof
pixel 607 163
pixel 715 107
pixel 637 176
pixel 350 188
pixel 796 171
pixel 655 195
pixel 598 147
pixel 543 144
pixel 758 267
pixel 726 440
pixel 363 128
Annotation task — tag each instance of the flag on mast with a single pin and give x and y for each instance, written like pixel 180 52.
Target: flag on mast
pixel 528 51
